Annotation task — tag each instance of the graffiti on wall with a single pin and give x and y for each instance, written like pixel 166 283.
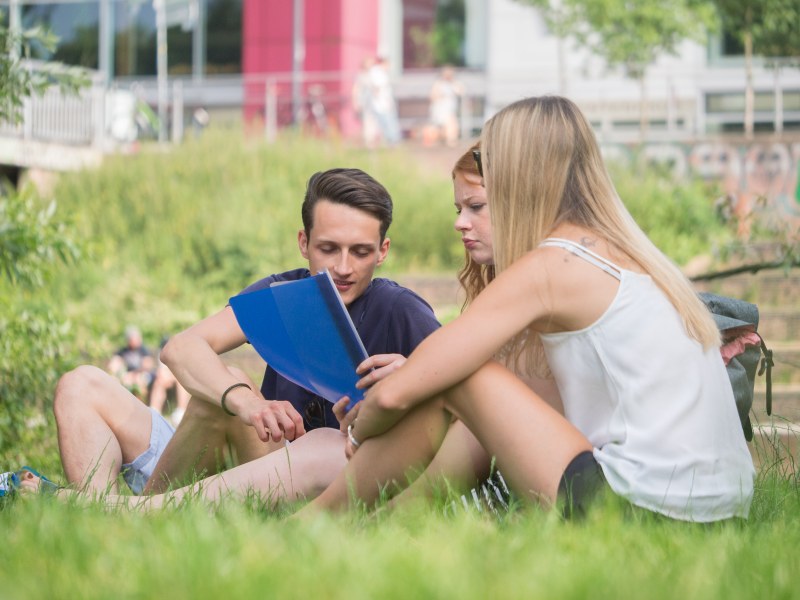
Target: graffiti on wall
pixel 758 179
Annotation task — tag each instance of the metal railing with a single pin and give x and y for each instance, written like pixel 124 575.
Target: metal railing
pixel 64 118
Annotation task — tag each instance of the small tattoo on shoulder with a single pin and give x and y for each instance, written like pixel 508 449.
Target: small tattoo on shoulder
pixel 589 242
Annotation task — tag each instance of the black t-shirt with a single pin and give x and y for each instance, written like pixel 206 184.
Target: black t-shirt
pixel 389 318
pixel 133 357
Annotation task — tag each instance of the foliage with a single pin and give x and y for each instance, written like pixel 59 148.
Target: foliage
pixel 773 24
pixel 448 33
pixel 443 44
pixel 766 28
pixel 776 34
pixel 679 218
pixel 34 351
pixel 631 35
pixel 20 78
pixel 33 336
pixel 34 347
pixel 31 240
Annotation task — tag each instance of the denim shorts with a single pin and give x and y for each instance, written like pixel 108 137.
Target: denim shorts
pixel 137 473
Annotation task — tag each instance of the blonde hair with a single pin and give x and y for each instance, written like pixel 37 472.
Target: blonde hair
pixel 542 167
pixel 472 276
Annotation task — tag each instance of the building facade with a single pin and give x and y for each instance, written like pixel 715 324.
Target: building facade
pixel 277 59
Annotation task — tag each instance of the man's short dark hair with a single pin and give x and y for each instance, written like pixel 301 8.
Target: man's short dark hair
pixel 351 187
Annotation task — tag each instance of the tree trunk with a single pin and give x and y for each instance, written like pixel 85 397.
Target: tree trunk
pixel 643 116
pixel 778 100
pixel 749 94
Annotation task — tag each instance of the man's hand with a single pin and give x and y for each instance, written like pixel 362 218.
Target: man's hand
pixel 377 367
pixel 273 419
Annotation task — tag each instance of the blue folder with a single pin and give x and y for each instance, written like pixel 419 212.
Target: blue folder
pixel 303 330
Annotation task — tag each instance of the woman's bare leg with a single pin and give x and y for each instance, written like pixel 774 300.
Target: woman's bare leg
pixel 406 449
pixel 532 441
pixel 461 461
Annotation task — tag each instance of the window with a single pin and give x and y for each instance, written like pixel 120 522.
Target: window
pixel 75 25
pixel 223 36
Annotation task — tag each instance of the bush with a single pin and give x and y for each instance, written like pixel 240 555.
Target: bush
pixel 34 337
pixel 678 216
pixel 171 236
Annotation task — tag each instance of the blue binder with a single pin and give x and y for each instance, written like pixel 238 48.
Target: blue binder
pixel 303 331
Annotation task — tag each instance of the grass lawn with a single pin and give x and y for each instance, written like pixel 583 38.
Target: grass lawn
pixel 54 549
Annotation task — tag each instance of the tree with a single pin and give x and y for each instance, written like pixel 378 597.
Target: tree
pixel 32 335
pixel 628 34
pixel 443 42
pixel 448 33
pixel 19 78
pixel 767 28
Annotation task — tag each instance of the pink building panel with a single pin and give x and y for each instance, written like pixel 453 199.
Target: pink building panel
pixel 338 34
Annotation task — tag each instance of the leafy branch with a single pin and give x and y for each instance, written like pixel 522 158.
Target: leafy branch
pixel 22 77
pixel 31 240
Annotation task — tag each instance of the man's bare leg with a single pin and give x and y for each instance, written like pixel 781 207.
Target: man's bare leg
pixel 101 426
pixel 299 471
pixel 204 441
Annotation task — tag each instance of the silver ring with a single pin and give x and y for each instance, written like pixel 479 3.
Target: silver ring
pixel 351 437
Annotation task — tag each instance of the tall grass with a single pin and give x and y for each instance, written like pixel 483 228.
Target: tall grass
pixel 58 550
pixel 173 234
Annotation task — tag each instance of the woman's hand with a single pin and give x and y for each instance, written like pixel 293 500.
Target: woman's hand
pixel 346 423
pixel 376 415
pixel 345 417
pixel 376 368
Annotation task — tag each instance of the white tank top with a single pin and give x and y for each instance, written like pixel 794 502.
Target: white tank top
pixel 658 409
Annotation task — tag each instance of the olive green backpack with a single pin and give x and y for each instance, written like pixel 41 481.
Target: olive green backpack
pixel 733 317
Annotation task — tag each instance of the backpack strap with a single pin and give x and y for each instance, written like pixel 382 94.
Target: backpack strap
pixel 766 365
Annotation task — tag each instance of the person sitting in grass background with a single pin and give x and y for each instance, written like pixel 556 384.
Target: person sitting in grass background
pixel 133 364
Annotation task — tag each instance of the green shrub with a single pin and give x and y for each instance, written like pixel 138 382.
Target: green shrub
pixel 34 337
pixel 678 216
pixel 172 235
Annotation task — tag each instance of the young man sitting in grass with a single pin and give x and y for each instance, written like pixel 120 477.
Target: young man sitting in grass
pixel 105 431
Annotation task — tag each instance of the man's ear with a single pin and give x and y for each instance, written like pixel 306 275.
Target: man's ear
pixel 302 242
pixel 384 250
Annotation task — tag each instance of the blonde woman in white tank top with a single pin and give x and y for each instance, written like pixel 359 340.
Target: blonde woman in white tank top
pixel 582 294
